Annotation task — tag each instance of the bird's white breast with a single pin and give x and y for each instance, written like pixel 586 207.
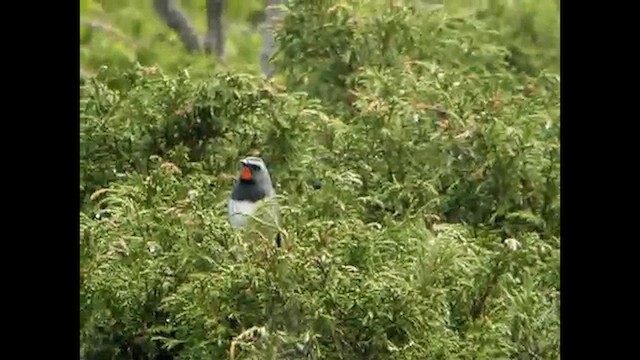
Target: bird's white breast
pixel 238 211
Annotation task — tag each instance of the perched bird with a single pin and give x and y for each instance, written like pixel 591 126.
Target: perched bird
pixel 253 196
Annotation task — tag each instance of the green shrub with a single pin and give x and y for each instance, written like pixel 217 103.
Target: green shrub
pixel 437 155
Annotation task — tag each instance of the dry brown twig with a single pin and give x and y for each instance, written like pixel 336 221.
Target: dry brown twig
pixel 248 336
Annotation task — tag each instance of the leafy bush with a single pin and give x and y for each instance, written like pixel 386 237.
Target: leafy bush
pixel 435 234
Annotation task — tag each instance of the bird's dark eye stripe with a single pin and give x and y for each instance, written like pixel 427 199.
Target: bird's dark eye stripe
pixel 254 167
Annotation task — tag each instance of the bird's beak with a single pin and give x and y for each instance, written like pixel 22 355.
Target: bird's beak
pixel 246 173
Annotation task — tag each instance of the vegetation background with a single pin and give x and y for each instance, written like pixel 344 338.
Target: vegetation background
pixel 435 134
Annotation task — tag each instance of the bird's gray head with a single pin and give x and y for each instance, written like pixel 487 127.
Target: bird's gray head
pixel 254 171
pixel 254 183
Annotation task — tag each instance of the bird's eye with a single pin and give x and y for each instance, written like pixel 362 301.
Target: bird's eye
pixel 254 167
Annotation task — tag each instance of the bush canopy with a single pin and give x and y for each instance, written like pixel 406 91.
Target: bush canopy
pixel 435 233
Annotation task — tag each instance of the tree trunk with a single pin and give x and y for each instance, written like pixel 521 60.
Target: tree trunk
pixel 215 38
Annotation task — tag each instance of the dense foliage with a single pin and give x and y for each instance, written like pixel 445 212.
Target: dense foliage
pixel 435 235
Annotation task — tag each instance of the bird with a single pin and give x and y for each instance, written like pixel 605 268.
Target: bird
pixel 253 190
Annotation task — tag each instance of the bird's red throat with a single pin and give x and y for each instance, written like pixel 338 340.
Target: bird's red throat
pixel 246 173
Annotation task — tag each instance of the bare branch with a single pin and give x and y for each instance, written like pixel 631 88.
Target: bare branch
pixel 215 38
pixel 178 22
pixel 272 15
